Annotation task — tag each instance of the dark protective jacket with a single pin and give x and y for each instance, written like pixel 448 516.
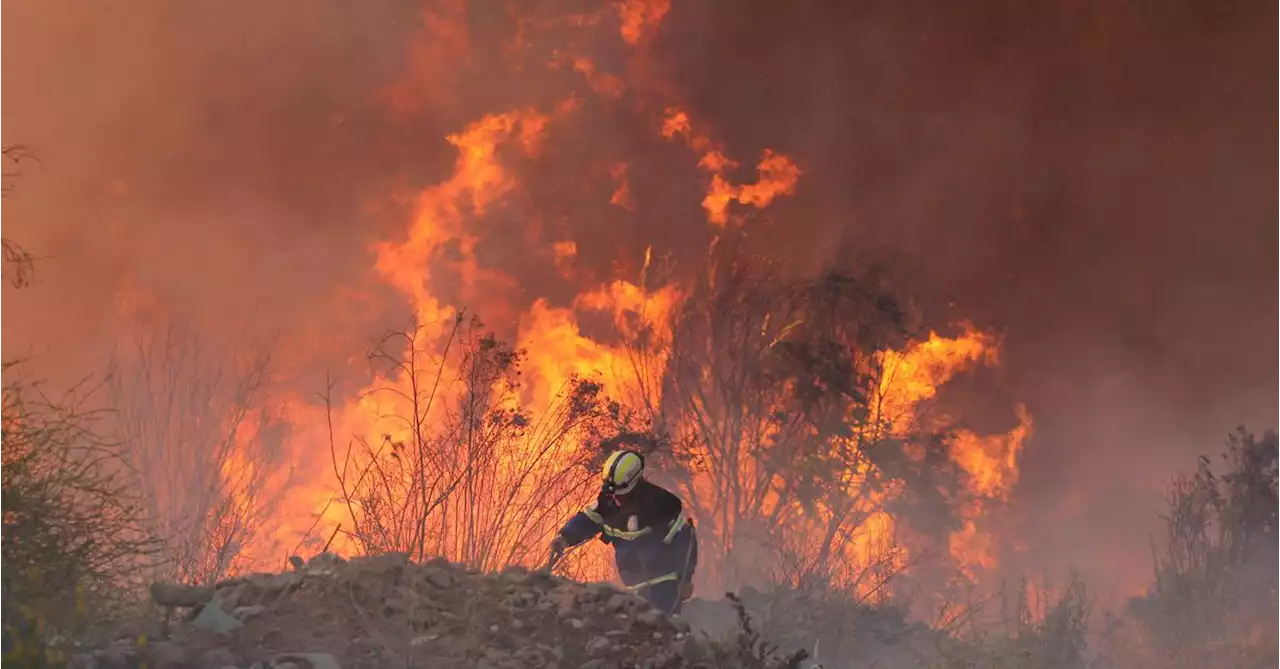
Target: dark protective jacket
pixel 652 537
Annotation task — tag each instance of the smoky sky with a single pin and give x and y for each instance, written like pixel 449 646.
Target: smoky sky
pixel 1092 179
pixel 1089 179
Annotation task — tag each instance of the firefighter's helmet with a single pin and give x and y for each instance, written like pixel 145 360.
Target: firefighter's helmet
pixel 622 471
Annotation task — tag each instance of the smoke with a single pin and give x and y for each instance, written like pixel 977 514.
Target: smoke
pixel 1092 180
pixel 217 160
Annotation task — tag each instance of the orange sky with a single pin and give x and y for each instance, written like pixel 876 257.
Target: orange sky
pixel 1087 180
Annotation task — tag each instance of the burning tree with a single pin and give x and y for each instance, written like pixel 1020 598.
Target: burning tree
pixel 460 468
pixel 781 403
pixel 203 445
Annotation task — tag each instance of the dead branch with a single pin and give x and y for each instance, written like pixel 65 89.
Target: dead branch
pixel 202 443
pixel 464 473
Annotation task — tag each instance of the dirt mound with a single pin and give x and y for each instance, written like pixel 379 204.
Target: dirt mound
pixel 384 611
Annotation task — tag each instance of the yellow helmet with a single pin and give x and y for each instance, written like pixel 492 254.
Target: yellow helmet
pixel 622 471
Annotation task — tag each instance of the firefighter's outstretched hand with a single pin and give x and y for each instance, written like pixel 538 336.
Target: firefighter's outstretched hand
pixel 558 545
pixel 686 591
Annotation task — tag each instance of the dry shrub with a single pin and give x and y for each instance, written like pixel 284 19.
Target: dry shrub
pixel 464 470
pixel 1214 602
pixel 18 264
pixel 74 532
pixel 1027 625
pixel 773 402
pixel 203 445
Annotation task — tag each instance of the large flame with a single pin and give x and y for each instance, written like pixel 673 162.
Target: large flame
pixel 436 267
pixel 778 175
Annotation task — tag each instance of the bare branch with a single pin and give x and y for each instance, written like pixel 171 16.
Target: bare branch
pixel 18 263
pixel 74 537
pixel 463 472
pixel 203 444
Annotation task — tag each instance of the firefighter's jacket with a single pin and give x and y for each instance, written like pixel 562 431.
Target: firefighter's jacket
pixel 651 534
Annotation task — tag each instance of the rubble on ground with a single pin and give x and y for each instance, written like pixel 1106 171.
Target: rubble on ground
pixel 385 611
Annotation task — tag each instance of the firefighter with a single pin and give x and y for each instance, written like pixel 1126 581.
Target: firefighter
pixel 653 539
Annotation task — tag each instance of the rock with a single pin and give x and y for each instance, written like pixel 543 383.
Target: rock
pixel 247 612
pixel 564 599
pixel 388 611
pixel 380 563
pixel 111 658
pixel 324 562
pixel 602 589
pixel 649 616
pixel 515 573
pixel 165 655
pixel 215 658
pixel 688 650
pixel 175 594
pixel 439 577
pixel 214 619
pixel 598 646
pixel 306 661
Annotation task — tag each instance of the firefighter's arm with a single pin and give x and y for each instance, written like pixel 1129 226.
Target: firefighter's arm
pixel 581 527
pixel 677 520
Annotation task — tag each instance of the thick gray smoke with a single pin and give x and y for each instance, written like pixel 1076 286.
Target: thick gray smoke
pixel 1090 179
pixel 1093 179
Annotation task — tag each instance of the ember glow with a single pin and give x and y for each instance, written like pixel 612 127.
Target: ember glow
pixel 908 299
pixel 633 311
pixel 519 228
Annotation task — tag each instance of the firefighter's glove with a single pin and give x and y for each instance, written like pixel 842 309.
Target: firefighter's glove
pixel 557 549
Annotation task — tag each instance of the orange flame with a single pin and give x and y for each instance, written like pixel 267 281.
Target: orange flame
pixel 989 461
pixel 778 175
pixel 622 194
pixel 478 180
pixel 640 18
pixel 595 333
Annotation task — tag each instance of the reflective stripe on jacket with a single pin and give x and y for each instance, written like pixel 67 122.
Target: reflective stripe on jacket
pixel 652 536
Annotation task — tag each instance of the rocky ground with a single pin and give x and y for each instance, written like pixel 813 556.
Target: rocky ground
pixel 386 612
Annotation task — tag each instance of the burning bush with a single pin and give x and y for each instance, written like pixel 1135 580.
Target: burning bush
pixel 796 410
pixel 201 440
pixel 464 471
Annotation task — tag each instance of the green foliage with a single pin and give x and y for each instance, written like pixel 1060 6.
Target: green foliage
pixel 772 392
pixel 25 648
pixel 72 536
pixel 1214 601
